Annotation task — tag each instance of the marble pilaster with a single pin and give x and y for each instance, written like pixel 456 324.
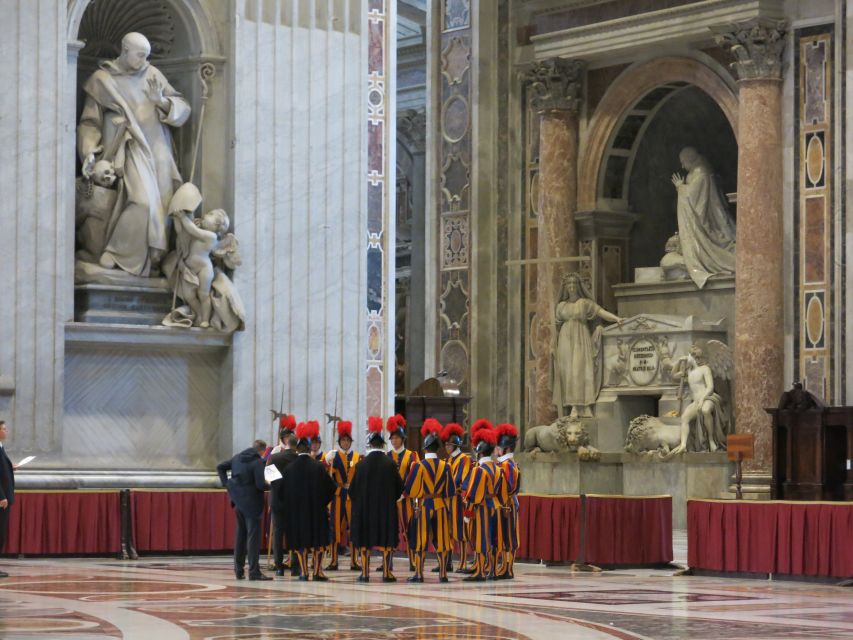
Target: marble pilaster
pixel 759 293
pixel 555 89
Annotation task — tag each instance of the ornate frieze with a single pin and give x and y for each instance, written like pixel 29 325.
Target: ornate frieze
pixel 757 46
pixel 555 83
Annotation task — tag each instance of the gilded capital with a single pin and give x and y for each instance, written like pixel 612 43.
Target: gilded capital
pixel 555 83
pixel 757 47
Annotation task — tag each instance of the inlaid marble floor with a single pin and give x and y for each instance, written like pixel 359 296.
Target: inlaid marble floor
pixel 197 598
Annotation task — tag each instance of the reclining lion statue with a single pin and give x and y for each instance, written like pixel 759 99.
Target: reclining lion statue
pixel 566 434
pixel 648 434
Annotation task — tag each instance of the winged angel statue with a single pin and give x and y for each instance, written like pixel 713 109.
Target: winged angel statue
pixel 699 369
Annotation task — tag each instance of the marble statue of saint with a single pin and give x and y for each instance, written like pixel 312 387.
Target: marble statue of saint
pixel 576 367
pixel 706 408
pixel 124 131
pixel 705 228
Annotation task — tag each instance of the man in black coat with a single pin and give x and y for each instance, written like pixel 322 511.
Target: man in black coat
pixel 246 488
pixel 374 490
pixel 7 489
pixel 278 505
pixel 307 489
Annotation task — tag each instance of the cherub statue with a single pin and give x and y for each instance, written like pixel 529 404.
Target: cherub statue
pixel 203 247
pixel 698 369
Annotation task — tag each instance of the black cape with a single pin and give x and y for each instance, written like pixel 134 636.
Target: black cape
pixel 281 460
pixel 307 490
pixel 374 490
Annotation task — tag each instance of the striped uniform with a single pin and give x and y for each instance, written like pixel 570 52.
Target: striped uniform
pixel 460 467
pixel 342 469
pixel 430 482
pixel 483 483
pixel 507 538
pixel 404 462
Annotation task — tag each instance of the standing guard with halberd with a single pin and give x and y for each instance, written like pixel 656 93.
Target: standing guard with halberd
pixel 403 458
pixel 460 465
pixel 341 463
pixel 507 516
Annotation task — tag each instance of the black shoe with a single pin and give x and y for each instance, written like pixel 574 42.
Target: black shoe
pixel 379 569
pixel 363 579
pixel 474 579
pixel 415 579
pixel 412 568
pixel 389 579
pixel 3 574
pixel 354 567
pixel 259 577
pixel 435 569
pixel 466 571
pixel 319 578
pixel 280 572
pixel 239 576
pixel 331 567
pixel 303 578
pixel 444 579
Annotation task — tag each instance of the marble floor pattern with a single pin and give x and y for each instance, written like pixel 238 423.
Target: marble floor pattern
pixel 197 598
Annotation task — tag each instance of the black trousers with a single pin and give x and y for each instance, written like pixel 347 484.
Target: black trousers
pixel 4 527
pixel 247 544
pixel 278 540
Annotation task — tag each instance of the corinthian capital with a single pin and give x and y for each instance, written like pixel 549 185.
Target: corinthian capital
pixel 555 83
pixel 757 46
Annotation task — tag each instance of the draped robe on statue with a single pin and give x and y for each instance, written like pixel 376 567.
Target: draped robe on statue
pixel 119 115
pixel 705 228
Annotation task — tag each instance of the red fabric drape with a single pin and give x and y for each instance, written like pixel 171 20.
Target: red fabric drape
pixel 65 522
pixel 800 538
pixel 183 521
pixel 549 527
pixel 628 530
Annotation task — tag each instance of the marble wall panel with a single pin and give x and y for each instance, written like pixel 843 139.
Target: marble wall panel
pixel 815 214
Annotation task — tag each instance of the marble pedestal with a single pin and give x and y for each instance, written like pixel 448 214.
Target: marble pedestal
pixel 692 475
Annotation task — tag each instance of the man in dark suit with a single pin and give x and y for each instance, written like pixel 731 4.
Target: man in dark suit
pixel 246 488
pixel 278 504
pixel 7 489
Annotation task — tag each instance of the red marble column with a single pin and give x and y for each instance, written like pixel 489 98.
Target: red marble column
pixel 759 285
pixel 554 90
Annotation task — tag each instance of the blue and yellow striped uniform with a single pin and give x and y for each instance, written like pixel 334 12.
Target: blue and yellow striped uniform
pixel 479 489
pixel 460 467
pixel 508 499
pixel 430 483
pixel 342 469
pixel 404 462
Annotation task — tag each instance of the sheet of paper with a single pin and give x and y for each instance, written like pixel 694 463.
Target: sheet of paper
pixel 271 473
pixel 26 460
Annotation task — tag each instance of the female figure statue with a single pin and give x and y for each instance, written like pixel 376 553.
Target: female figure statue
pixel 575 349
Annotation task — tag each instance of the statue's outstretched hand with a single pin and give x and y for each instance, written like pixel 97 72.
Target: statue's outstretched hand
pixel 89 161
pixel 154 91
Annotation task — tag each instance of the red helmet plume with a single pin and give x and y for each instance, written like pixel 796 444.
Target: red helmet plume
pixel 344 429
pixel 507 430
pixel 396 423
pixel 482 423
pixel 308 430
pixel 374 424
pixel 430 425
pixel 452 429
pixel 287 422
pixel 484 435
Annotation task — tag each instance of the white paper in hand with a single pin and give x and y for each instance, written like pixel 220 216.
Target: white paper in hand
pixel 271 473
pixel 26 460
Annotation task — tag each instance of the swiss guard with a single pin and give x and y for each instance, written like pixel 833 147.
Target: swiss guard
pixel 460 465
pixel 307 489
pixel 507 517
pixel 479 490
pixel 403 458
pixel 341 463
pixel 374 491
pixel 430 487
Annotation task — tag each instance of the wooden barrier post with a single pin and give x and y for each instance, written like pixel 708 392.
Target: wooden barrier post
pixel 740 447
